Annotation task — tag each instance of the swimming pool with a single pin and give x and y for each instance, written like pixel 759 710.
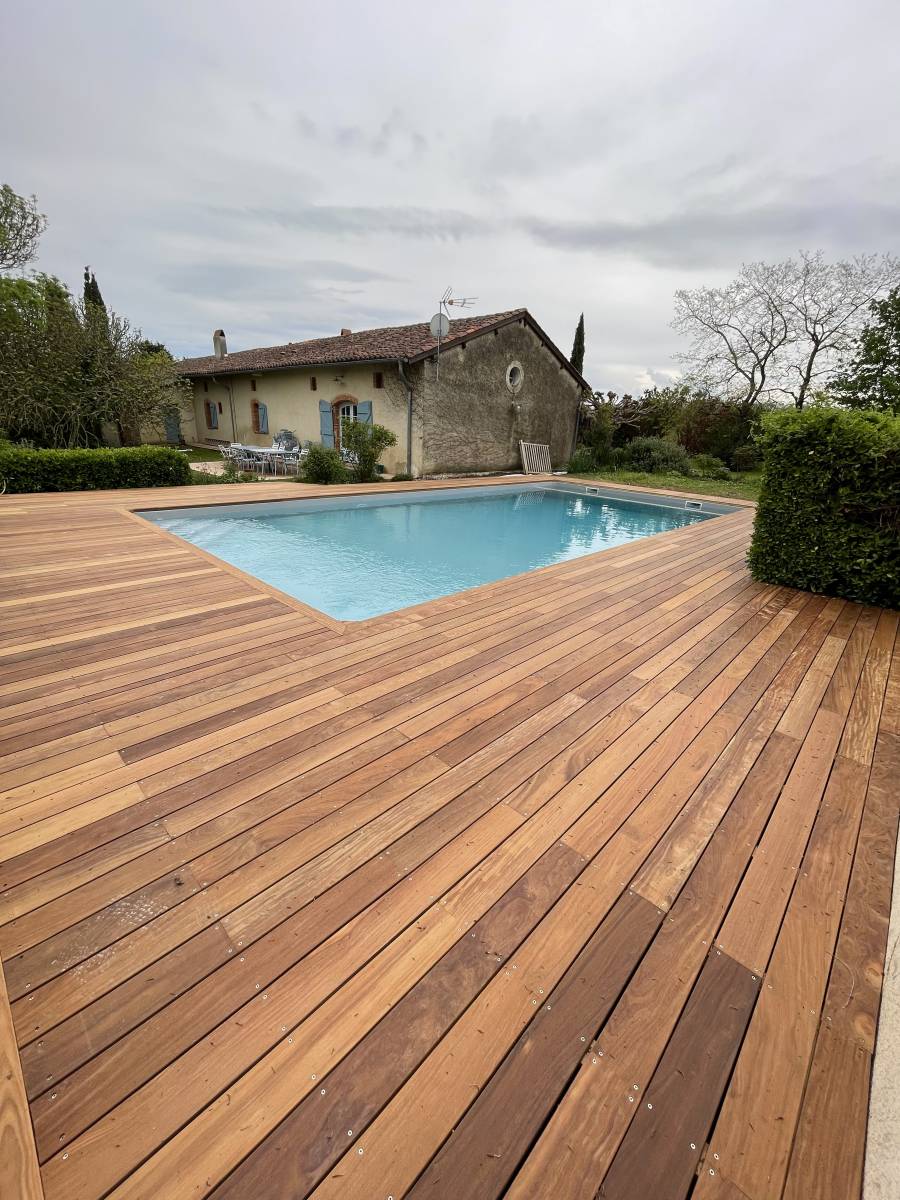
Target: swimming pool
pixel 354 557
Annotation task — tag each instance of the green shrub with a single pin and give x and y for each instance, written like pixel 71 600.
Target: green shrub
pixel 582 460
pixel 201 478
pixel 707 466
pixel 323 465
pixel 366 442
pixel 828 518
pixel 231 473
pixel 402 477
pixel 655 454
pixel 28 470
pixel 746 457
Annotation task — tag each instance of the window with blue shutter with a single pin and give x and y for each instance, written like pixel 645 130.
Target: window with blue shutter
pixel 364 412
pixel 326 424
pixel 212 416
pixel 260 415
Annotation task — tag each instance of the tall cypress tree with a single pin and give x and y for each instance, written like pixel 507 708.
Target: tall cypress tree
pixel 577 356
pixel 92 289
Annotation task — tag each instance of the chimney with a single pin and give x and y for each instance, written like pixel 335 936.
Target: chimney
pixel 346 332
pixel 219 347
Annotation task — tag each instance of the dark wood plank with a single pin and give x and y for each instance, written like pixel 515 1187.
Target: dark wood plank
pixel 664 1144
pixel 485 1148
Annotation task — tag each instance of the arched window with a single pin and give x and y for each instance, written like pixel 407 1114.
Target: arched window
pixel 345 408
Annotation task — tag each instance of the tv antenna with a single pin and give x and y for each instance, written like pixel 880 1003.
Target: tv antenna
pixel 440 322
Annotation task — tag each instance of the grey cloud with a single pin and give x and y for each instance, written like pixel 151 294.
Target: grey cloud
pixel 268 282
pixel 394 137
pixel 307 127
pixel 697 238
pixel 414 222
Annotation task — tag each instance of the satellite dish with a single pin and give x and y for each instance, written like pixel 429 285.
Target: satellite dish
pixel 440 325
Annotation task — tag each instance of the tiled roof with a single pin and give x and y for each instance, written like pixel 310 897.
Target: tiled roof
pixel 368 345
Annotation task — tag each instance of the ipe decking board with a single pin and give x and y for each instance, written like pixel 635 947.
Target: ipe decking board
pixel 575 884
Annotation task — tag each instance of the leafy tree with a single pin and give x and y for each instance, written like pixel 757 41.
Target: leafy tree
pixel 872 377
pixel 366 442
pixel 21 226
pixel 779 328
pixel 68 372
pixel 577 356
pixel 692 416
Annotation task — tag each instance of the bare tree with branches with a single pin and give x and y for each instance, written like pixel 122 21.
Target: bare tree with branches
pixel 21 226
pixel 735 333
pixel 779 328
pixel 826 305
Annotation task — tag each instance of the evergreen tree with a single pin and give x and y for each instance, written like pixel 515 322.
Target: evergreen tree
pixel 872 378
pixel 577 356
pixel 92 289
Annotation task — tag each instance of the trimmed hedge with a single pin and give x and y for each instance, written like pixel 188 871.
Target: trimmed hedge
pixel 828 518
pixel 88 470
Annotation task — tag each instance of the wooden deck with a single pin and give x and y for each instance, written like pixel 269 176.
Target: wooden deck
pixel 573 885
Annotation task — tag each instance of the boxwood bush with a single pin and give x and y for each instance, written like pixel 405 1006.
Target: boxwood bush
pixel 27 470
pixel 828 518
pixel 323 464
pixel 655 455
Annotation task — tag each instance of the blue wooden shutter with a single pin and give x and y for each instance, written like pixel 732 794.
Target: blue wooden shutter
pixel 326 427
pixel 364 412
pixel 263 418
pixel 213 414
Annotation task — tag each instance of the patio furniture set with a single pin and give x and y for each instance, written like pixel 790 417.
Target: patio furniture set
pixel 283 457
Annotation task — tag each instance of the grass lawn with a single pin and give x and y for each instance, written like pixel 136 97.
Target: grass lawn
pixel 196 454
pixel 741 487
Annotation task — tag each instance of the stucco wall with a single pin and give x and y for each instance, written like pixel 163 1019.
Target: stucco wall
pixel 293 405
pixel 472 422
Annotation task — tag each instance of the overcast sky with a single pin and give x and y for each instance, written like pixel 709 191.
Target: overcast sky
pixel 283 169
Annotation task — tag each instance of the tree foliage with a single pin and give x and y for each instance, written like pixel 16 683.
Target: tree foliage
pixel 778 329
pixel 72 369
pixel 692 416
pixel 21 226
pixel 871 378
pixel 577 356
pixel 366 443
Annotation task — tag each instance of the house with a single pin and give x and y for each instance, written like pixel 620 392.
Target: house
pixel 499 379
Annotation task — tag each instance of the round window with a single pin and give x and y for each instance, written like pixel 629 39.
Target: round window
pixel 515 376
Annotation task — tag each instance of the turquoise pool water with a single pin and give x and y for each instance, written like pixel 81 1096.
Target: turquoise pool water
pixel 358 557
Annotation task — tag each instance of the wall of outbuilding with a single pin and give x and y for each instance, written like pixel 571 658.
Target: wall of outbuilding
pixel 474 421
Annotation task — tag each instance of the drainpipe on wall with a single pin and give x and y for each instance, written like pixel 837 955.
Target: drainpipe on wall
pixel 409 415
